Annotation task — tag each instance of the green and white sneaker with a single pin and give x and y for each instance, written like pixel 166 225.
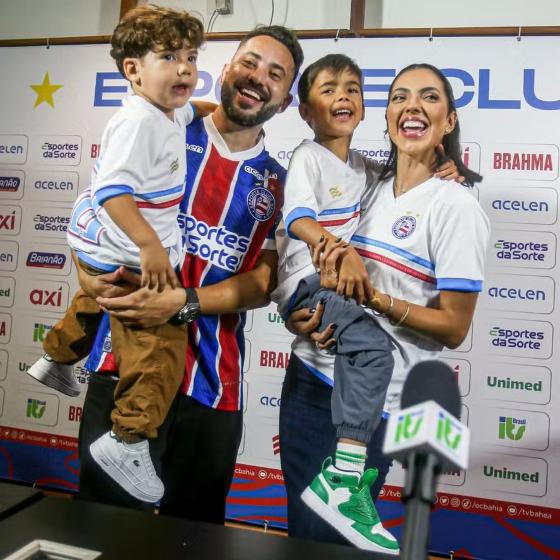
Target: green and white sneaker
pixel 344 501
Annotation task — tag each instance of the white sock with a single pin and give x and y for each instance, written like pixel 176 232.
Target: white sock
pixel 350 457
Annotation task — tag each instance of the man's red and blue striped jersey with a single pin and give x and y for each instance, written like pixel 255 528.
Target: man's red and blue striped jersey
pixel 228 215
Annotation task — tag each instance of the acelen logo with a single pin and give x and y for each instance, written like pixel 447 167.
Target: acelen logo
pixel 54 185
pixel 9 251
pixel 515 292
pixel 520 205
pixel 13 148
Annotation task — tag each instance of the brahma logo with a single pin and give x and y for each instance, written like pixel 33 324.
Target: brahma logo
pixel 404 227
pixel 261 204
pixel 5 328
pixel 38 259
pixel 523 161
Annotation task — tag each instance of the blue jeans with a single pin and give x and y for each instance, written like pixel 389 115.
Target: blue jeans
pixel 307 437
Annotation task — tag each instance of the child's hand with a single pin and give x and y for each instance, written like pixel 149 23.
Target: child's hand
pixel 157 271
pixel 353 279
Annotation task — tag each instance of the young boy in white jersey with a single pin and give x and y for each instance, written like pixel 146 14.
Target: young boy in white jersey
pixel 128 217
pixel 325 183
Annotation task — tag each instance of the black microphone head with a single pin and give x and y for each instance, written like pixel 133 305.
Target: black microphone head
pixel 432 380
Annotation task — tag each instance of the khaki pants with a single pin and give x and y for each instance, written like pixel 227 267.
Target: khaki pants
pixel 151 363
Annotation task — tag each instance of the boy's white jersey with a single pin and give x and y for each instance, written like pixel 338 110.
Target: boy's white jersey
pixel 320 186
pixel 142 155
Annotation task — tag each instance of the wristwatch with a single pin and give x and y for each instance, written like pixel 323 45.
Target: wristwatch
pixel 190 311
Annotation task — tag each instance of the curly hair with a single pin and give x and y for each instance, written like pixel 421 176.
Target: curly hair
pixel 146 27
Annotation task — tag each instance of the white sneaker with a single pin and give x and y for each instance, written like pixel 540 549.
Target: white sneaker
pixel 128 464
pixel 56 376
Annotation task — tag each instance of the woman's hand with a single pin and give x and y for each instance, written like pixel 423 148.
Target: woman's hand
pixel 145 307
pixel 305 322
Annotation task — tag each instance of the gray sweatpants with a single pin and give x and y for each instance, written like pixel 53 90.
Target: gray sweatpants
pixel 363 362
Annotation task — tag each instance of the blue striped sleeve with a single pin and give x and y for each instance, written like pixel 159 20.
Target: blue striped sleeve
pixel 295 214
pixel 110 191
pixel 459 285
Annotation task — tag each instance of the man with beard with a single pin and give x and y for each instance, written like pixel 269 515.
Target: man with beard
pixel 228 213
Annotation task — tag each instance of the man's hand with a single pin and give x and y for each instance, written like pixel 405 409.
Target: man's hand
pixel 145 307
pixel 447 170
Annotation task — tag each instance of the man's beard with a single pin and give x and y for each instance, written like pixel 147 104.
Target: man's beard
pixel 239 117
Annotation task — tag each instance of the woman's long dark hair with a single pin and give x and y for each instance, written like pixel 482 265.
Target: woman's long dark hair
pixel 450 141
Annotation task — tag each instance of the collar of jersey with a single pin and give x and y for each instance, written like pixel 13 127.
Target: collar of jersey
pixel 220 144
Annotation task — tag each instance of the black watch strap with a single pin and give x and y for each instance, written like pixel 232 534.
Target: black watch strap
pixel 190 311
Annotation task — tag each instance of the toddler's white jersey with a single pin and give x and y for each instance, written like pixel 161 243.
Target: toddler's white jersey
pixel 142 155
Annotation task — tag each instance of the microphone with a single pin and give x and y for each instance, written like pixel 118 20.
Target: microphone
pixel 427 438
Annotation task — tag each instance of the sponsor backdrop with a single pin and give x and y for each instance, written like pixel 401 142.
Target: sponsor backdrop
pixel 55 103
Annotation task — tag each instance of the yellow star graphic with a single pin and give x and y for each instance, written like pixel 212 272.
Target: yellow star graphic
pixel 45 91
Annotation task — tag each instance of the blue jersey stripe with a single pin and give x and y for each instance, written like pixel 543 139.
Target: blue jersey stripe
pixel 162 193
pixel 459 285
pixel 396 250
pixel 347 210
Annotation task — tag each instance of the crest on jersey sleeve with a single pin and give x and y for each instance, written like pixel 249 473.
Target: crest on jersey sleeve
pixel 261 204
pixel 404 227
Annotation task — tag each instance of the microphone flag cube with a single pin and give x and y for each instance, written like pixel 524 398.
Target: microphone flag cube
pixel 427 428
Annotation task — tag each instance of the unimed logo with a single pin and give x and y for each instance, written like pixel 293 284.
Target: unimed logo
pixel 35 408
pixel 511 428
pixel 447 432
pixel 408 425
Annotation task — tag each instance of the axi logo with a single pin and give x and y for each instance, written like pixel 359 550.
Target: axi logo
pixel 35 408
pixel 40 330
pixel 9 220
pixel 46 297
pixel 447 433
pixel 511 428
pixel 408 425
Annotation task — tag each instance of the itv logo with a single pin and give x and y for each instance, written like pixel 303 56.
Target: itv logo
pixel 511 428
pixel 408 426
pixel 35 408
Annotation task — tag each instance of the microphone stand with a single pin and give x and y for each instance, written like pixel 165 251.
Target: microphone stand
pixel 419 495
